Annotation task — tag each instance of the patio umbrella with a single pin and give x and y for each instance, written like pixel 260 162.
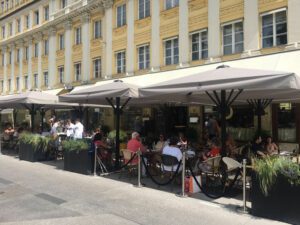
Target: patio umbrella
pixel 224 86
pixel 116 93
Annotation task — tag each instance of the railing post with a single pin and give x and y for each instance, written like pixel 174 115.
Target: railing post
pixel 139 169
pixel 183 175
pixel 244 209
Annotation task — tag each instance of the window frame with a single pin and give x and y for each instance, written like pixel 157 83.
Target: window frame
pixel 36 17
pixel 46 13
pixel 78 38
pixel 99 67
pixel 9 84
pixel 61 41
pixel 122 67
pixel 35 80
pixel 99 33
pixel 145 10
pixel 233 33
pixel 172 51
pixel 145 63
pixel 18 83
pixel 174 3
pixel 77 71
pixel 36 50
pixel 61 74
pixel 274 35
pixel 26 82
pixel 46 81
pixel 18 25
pixel 46 47
pixel 123 16
pixel 200 43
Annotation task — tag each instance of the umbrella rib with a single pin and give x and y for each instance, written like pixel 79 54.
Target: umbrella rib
pixel 125 103
pixel 235 97
pixel 217 97
pixel 209 95
pixel 110 102
pixel 229 97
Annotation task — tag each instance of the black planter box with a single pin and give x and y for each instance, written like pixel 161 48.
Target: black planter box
pixel 77 161
pixel 31 153
pixel 282 203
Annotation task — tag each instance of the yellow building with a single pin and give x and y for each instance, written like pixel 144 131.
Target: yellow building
pixel 49 44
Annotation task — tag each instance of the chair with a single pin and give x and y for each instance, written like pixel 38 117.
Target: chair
pixel 171 162
pixel 232 167
pixel 127 155
pixel 211 165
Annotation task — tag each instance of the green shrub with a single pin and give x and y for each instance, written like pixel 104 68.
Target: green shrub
pixel 75 145
pixel 35 140
pixel 112 135
pixel 269 168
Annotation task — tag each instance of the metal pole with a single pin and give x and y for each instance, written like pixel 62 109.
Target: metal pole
pixel 183 175
pixel 117 114
pixel 139 168
pixel 244 185
pixel 42 112
pixel 32 118
pixel 222 110
pixel 95 161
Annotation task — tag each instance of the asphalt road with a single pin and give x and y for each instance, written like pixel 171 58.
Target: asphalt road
pixel 41 194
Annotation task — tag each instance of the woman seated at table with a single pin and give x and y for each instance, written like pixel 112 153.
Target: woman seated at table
pixel 8 133
pixel 271 148
pixel 257 147
pixel 160 144
pixel 183 143
pixel 103 149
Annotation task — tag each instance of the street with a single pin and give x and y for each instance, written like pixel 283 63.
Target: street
pixel 39 193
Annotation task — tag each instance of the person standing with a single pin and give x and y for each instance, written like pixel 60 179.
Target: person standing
pixel 70 129
pixel 78 129
pixel 212 128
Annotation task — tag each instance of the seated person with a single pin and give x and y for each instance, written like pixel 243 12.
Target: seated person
pixel 271 148
pixel 8 133
pixel 257 147
pixel 182 144
pixel 230 147
pixel 172 150
pixel 213 152
pixel 135 144
pixel 160 144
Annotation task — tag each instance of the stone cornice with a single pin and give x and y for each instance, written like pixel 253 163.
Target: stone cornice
pixel 108 3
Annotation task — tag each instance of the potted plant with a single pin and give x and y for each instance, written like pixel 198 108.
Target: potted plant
pixel 275 185
pixel 33 147
pixel 123 138
pixel 76 157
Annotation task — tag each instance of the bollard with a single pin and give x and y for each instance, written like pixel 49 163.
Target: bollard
pixel 139 169
pixel 244 185
pixel 95 162
pixel 183 176
pixel 244 209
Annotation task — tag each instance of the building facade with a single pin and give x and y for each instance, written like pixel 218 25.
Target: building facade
pixel 49 44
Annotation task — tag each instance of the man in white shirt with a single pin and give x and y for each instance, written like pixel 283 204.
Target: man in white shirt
pixel 78 129
pixel 172 150
pixel 70 129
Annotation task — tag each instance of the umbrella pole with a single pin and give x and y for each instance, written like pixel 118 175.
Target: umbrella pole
pixel 223 107
pixel 42 112
pixel 117 114
pixel 32 118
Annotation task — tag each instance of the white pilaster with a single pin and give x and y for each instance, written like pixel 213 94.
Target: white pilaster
pixel 40 70
pixel 155 36
pixel 20 75
pixel 130 39
pixel 214 45
pixel 4 50
pixel 52 9
pixel 251 28
pixel 52 70
pixel 68 51
pixel 41 14
pixel 183 33
pixel 12 66
pixel 108 38
pixel 30 19
pixel 29 63
pixel 86 71
pixel 14 22
pixel 293 24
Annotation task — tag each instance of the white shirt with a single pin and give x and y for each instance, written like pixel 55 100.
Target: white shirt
pixel 172 151
pixel 70 130
pixel 78 130
pixel 54 128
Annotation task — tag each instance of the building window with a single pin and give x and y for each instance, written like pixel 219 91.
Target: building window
pixel 36 49
pixel 9 85
pixel 97 67
pixel 61 74
pixel 27 21
pixel 171 51
pixel 26 82
pixel 26 53
pixel 18 25
pixel 63 3
pixel 18 55
pixel 3 32
pixel 171 3
pixel 199 45
pixel 233 38
pixel 144 57
pixel 46 81
pixel 61 42
pixel 2 86
pixel 274 29
pixel 10 29
pixel 18 83
pixel 97 29
pixel 36 17
pixel 121 62
pixel 77 69
pixel 144 8
pixel 3 55
pixel 121 15
pixel 78 35
pixel 35 80
pixel 46 13
pixel 46 47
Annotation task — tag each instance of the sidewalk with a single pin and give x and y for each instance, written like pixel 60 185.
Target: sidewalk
pixel 39 193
